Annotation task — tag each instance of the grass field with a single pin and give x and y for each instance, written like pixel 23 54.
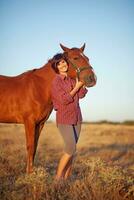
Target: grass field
pixel 103 168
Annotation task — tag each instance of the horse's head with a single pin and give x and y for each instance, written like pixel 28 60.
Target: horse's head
pixel 79 65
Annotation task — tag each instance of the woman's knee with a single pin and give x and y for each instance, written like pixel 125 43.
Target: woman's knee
pixel 71 151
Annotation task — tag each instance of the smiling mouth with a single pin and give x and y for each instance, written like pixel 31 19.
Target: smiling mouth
pixel 64 68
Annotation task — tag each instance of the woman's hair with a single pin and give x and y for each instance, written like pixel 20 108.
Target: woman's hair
pixel 56 59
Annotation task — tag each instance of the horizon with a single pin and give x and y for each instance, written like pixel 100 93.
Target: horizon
pixel 100 121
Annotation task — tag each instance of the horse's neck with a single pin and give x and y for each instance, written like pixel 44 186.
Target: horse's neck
pixel 46 71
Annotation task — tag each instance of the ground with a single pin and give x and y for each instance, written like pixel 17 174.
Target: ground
pixel 103 168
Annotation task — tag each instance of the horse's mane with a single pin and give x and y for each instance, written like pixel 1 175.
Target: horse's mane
pixel 50 61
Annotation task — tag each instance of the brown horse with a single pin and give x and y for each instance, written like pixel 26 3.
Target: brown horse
pixel 26 98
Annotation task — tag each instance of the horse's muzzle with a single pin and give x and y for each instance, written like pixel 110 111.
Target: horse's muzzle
pixel 90 80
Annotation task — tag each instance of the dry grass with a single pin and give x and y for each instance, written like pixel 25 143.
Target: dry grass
pixel 103 168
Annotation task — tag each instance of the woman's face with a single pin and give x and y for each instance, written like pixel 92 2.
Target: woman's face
pixel 62 66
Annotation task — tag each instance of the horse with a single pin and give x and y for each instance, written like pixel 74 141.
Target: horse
pixel 26 98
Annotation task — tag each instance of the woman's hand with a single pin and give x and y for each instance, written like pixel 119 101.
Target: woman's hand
pixel 78 84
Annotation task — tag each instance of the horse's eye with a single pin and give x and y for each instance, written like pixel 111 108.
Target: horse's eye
pixel 76 58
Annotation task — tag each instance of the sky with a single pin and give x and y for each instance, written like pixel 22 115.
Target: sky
pixel 31 31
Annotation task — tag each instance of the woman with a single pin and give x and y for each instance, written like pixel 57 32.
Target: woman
pixel 65 94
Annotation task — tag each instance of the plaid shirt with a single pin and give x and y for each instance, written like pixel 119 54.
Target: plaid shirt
pixel 67 107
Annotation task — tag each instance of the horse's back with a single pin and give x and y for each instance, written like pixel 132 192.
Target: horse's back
pixel 24 95
pixel 12 97
pixel 10 85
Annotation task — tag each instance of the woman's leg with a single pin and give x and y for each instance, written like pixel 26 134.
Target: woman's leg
pixel 65 164
pixel 64 161
pixel 68 169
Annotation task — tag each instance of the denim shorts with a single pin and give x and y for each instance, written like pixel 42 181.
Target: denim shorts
pixel 70 135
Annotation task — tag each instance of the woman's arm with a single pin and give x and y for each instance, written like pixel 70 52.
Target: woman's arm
pixel 82 92
pixel 78 85
pixel 79 88
pixel 58 94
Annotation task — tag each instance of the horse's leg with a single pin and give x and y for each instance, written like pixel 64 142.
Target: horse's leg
pixel 30 134
pixel 38 129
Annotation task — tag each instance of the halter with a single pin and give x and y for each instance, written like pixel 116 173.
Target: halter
pixel 78 69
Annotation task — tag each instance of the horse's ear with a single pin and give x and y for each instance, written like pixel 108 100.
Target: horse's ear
pixel 64 48
pixel 83 47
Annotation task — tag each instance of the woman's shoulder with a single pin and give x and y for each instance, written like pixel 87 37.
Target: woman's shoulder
pixel 57 80
pixel 73 81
